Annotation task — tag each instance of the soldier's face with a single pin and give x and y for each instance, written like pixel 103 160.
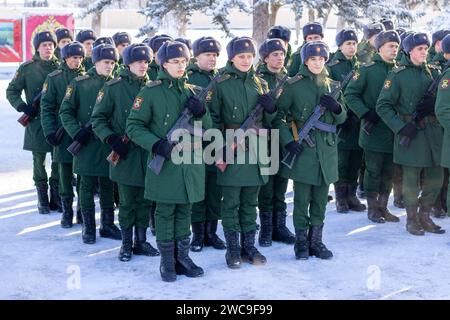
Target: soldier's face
pixel 105 67
pixel 447 56
pixel 88 46
pixel 63 42
pixel 207 61
pixel 438 46
pixel 275 60
pixel 315 64
pixel 139 68
pixel 419 54
pixel 372 40
pixel 348 48
pixel 176 67
pixel 46 50
pixel 313 37
pixel 388 51
pixel 243 61
pixel 74 62
pixel 121 47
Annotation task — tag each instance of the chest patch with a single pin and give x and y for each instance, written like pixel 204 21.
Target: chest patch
pixel 387 84
pixel 445 84
pixel 44 87
pixel 137 104
pixel 355 76
pixel 100 95
pixel 69 91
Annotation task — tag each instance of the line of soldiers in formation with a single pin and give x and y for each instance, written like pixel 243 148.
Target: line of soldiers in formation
pixel 106 94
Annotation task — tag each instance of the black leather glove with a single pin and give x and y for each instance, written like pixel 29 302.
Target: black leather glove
pixel 163 148
pixel 118 145
pixel 196 106
pixel 371 116
pixel 425 107
pixel 28 110
pixel 268 103
pixel 82 136
pixel 330 103
pixel 409 130
pixel 293 147
pixel 346 126
pixel 51 139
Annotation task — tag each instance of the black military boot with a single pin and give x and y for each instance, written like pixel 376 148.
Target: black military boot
pixel 107 227
pixel 79 215
pixel 167 264
pixel 353 202
pixel 116 195
pixel 426 222
pixel 316 246
pixel 413 224
pixel 183 263
pixel 67 215
pixel 373 212
pixel 301 247
pixel 55 199
pixel 280 231
pixel 360 189
pixel 88 227
pixel 42 193
pixel 341 198
pixel 438 210
pixel 265 233
pixel 249 253
pixel 211 237
pixel 152 219
pixel 398 196
pixel 198 236
pixel 233 254
pixel 126 250
pixel 141 246
pixel 387 215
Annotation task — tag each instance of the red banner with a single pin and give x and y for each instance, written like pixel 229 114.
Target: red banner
pixel 10 40
pixel 35 24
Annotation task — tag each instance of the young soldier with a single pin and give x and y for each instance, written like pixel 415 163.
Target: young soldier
pixel 90 163
pixel 109 123
pixel 234 97
pixel 361 97
pixel 349 153
pixel 206 213
pixel 54 89
pixel 402 95
pixel 271 198
pixel 315 167
pixel 155 43
pixel 283 33
pixel 86 38
pixel 30 78
pixel 121 41
pixel 366 48
pixel 63 36
pixel 155 110
pixel 435 54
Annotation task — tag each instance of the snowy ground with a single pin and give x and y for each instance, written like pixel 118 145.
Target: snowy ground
pixel 40 260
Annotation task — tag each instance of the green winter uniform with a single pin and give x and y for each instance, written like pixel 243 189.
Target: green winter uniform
pixel 155 110
pixel 30 78
pixel 439 60
pixel 403 89
pixel 288 56
pixel 87 63
pixel 153 70
pixel 109 118
pixel 365 52
pixel 296 61
pixel 315 168
pixel 431 53
pixel 361 96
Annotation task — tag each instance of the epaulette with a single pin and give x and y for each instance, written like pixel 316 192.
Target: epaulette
pixel 113 81
pixel 81 78
pixel 223 77
pixel 152 84
pixel 398 69
pixel 55 73
pixel 295 79
pixel 263 81
pixel 435 67
pixel 367 64
pixel 27 63
pixel 333 63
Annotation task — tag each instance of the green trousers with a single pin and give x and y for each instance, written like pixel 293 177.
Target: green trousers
pixel 379 172
pixel 272 195
pixel 134 210
pixel 87 188
pixel 349 164
pixel 65 180
pixel 310 204
pixel 239 208
pixel 39 172
pixel 172 221
pixel 431 185
pixel 208 209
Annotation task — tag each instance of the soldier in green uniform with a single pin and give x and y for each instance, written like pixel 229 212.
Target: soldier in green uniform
pixel 155 110
pixel 315 167
pixel 90 163
pixel 87 37
pixel 234 97
pixel 443 112
pixel 206 213
pixel 349 152
pixel 271 198
pixel 109 124
pixel 63 36
pixel 311 32
pixel 110 41
pixel 155 43
pixel 30 78
pixel 366 48
pixel 121 41
pixel 438 59
pixel 361 96
pixel 52 95
pixel 283 33
pixel 403 95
